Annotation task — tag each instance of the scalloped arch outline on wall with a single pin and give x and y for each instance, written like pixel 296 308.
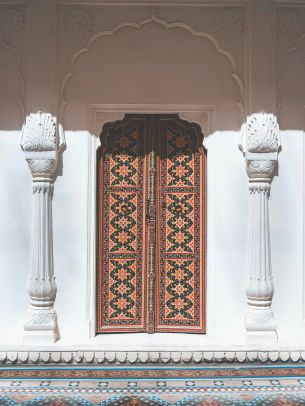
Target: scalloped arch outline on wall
pixel 17 56
pixel 282 73
pixel 167 25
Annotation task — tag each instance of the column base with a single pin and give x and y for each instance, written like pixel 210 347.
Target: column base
pixel 261 337
pixel 41 327
pixel 40 337
pixel 260 326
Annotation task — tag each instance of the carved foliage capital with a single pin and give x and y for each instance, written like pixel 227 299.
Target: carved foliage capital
pixel 260 168
pixel 40 166
pixel 42 291
pixel 39 133
pixel 43 187
pixel 41 143
pixel 260 144
pixel 261 133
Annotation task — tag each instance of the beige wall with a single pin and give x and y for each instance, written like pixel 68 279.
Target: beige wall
pixel 240 57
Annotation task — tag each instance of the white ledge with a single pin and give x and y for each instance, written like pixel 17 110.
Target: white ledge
pixel 78 357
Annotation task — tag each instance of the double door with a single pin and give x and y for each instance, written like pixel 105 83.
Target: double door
pixel 151 213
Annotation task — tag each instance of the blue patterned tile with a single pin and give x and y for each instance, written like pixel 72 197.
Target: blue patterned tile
pixel 45 383
pixel 74 384
pixel 16 383
pixel 103 384
pixel 218 383
pixel 275 382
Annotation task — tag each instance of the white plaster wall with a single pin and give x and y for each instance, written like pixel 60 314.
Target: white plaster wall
pixel 227 237
pixel 15 235
pixel 286 223
pixel 70 237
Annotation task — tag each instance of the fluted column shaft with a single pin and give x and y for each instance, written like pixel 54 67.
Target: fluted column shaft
pixel 42 286
pixel 259 280
pixel 259 276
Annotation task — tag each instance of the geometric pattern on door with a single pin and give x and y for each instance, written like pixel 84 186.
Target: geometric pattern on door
pixel 151 213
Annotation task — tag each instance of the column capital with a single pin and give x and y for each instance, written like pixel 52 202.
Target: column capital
pixel 260 134
pixel 42 141
pixel 260 144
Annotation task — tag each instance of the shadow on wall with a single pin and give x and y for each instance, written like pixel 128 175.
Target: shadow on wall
pixel 153 62
pixel 12 88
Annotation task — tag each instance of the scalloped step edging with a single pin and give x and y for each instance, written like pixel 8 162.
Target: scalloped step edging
pixel 138 358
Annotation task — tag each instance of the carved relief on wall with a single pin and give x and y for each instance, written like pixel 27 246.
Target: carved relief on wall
pixel 78 23
pixel 228 23
pixel 291 21
pixel 11 20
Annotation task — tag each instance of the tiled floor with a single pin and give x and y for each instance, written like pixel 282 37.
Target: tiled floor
pixel 247 390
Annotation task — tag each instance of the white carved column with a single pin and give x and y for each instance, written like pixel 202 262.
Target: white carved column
pixel 260 145
pixel 41 144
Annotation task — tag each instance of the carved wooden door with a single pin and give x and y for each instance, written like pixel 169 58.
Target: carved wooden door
pixel 151 226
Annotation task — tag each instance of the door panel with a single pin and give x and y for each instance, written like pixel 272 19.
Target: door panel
pixel 121 238
pixel 180 257
pixel 151 233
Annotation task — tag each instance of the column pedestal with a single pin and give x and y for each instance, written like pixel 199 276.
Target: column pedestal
pixel 41 327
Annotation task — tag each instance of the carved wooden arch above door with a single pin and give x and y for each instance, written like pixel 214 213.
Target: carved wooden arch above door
pixel 151 211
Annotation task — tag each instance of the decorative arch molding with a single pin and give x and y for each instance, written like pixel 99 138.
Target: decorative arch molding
pixel 167 25
pixel 17 57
